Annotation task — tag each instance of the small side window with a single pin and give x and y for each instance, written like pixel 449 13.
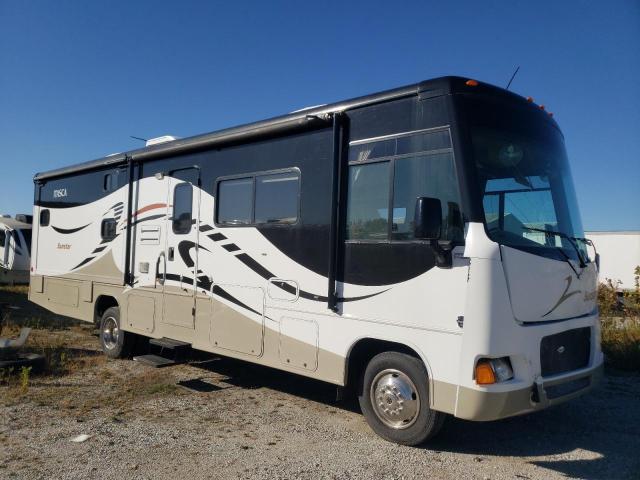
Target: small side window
pixel 182 208
pixel 44 218
pixel 108 229
pixel 235 201
pixel 368 202
pixel 277 198
pixel 108 182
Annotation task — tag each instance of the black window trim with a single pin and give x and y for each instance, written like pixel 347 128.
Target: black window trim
pixel 173 208
pixel 42 212
pixel 115 229
pixel 253 176
pixel 391 159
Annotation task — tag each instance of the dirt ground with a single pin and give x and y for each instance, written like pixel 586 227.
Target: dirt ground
pixel 222 418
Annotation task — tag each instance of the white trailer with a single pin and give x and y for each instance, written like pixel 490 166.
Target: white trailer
pixel 15 247
pixel 619 256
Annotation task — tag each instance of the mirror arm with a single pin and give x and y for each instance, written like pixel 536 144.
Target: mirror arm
pixel 442 250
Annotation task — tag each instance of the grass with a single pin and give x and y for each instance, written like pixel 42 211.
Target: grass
pixel 620 324
pixel 77 377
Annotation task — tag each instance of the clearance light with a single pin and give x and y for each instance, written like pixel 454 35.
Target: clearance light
pixel 541 107
pixel 493 370
pixel 471 83
pixel 530 99
pixel 550 114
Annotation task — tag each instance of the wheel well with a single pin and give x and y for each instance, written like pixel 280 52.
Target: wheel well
pixel 363 351
pixel 102 303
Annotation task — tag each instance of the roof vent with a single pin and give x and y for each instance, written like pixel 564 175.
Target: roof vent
pixel 162 139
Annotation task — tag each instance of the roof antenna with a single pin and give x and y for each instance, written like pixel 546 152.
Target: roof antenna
pixel 512 77
pixel 144 139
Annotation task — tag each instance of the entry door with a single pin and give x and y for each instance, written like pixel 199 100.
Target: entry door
pixel 181 252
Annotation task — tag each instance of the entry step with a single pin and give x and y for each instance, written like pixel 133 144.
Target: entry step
pixel 155 361
pixel 169 343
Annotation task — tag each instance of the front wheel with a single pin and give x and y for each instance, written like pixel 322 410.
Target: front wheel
pixel 394 398
pixel 115 343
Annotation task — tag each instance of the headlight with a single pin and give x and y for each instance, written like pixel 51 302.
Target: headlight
pixel 493 370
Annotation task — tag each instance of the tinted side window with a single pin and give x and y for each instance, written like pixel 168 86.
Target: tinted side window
pixel 368 202
pixel 182 208
pixel 277 198
pixel 235 201
pixel 108 229
pixel 421 165
pixel 3 238
pixel 44 218
pixel 425 176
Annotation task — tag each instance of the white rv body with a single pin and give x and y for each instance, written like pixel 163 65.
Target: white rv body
pixel 153 242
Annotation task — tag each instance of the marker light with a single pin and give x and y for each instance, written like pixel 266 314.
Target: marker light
pixel 541 107
pixel 530 99
pixel 471 83
pixel 550 114
pixel 493 370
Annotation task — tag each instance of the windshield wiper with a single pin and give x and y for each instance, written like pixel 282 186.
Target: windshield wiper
pixel 571 240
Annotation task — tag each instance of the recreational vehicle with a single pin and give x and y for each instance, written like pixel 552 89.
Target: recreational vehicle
pixel 421 246
pixel 15 245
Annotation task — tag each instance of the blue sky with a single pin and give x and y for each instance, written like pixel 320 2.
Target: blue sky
pixel 77 78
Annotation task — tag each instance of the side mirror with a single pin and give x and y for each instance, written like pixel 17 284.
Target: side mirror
pixel 427 220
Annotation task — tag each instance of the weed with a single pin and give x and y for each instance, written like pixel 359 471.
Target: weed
pixel 620 321
pixel 25 372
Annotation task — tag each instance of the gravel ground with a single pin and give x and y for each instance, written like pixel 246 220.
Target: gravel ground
pixel 257 423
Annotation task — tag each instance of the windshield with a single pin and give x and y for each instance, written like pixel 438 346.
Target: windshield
pixel 524 180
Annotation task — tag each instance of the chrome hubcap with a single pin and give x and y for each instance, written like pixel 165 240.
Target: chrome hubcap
pixel 110 332
pixel 395 399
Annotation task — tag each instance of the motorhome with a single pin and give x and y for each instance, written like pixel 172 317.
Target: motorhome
pixel 421 246
pixel 15 247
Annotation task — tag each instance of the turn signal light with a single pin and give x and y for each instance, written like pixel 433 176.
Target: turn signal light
pixel 493 370
pixel 484 373
pixel 471 83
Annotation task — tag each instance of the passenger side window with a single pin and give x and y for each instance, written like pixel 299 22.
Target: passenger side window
pixel 182 208
pixel 235 201
pixel 368 202
pixel 44 218
pixel 108 229
pixel 425 176
pixel 386 177
pixel 277 198
pixel 270 198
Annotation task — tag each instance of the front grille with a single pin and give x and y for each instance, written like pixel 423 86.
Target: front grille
pixel 565 351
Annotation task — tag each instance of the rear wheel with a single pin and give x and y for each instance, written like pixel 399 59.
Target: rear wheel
pixel 115 343
pixel 394 398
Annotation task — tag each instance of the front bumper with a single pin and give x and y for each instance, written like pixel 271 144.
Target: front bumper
pixel 482 405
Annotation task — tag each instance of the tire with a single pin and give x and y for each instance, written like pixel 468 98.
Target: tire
pixel 115 342
pixel 398 384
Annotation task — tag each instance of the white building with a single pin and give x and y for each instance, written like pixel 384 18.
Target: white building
pixel 619 255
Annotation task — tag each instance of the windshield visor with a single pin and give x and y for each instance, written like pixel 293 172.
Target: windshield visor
pixel 524 179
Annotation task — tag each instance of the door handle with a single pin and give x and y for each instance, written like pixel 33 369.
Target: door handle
pixel 164 273
pixel 170 254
